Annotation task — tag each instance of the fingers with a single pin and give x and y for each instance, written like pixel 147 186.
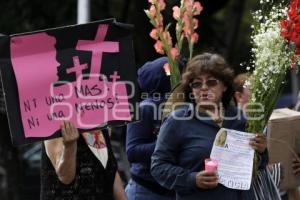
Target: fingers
pixel 211 178
pixel 63 129
pixel 207 180
pixel 255 145
pixel 67 127
pixel 259 143
pixel 296 172
pixel 208 173
pixel 295 161
pixel 69 133
pixel 260 138
pixel 74 130
pixel 210 182
pixel 209 185
pixel 296 167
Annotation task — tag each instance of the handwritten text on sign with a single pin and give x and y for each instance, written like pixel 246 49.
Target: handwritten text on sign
pixel 87 102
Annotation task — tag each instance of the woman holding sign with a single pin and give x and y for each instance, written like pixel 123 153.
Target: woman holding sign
pixel 186 137
pixel 80 167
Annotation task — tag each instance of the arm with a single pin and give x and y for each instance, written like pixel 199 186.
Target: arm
pixel 118 189
pixel 164 167
pixel 139 139
pixel 62 153
pixel 259 143
pixel 296 166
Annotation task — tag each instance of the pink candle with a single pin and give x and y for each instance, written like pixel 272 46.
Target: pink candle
pixel 211 165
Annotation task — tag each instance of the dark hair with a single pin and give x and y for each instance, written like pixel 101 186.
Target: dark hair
pixel 206 63
pixel 239 81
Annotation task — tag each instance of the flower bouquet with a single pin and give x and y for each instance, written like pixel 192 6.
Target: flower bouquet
pixel 185 31
pixel 276 43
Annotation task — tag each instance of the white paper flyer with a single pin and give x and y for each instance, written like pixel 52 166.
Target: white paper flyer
pixel 235 158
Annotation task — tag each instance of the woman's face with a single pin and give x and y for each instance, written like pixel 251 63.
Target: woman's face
pixel 242 98
pixel 207 90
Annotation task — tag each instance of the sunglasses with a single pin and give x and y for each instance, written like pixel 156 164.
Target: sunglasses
pixel 209 83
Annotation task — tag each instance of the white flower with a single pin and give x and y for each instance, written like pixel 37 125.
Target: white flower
pixel 271 59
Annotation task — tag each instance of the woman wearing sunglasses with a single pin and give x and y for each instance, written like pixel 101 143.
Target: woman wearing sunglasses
pixel 185 140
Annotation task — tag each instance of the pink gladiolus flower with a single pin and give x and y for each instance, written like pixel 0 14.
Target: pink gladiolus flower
pixel 186 24
pixel 176 12
pixel 194 38
pixel 167 37
pixel 152 1
pixel 189 6
pixel 196 23
pixel 159 47
pixel 188 2
pixel 174 53
pixel 197 8
pixel 186 18
pixel 167 69
pixel 152 11
pixel 187 28
pixel 153 34
pixel 159 21
pixel 161 4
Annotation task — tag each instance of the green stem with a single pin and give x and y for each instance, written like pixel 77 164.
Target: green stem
pixel 175 74
pixel 191 49
pixel 189 39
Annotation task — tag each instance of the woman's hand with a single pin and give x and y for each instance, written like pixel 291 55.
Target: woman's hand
pixel 259 143
pixel 62 152
pixel 296 166
pixel 206 180
pixel 69 134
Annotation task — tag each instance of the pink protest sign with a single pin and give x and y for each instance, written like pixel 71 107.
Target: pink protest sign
pixel 85 83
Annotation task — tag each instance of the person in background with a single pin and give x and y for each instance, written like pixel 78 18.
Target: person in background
pixel 241 91
pixel 293 194
pixel 241 98
pixel 10 163
pixel 141 136
pixel 80 166
pixel 187 134
pixel 266 184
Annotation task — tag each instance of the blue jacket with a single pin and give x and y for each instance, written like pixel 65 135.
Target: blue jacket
pixel 141 135
pixel 181 149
